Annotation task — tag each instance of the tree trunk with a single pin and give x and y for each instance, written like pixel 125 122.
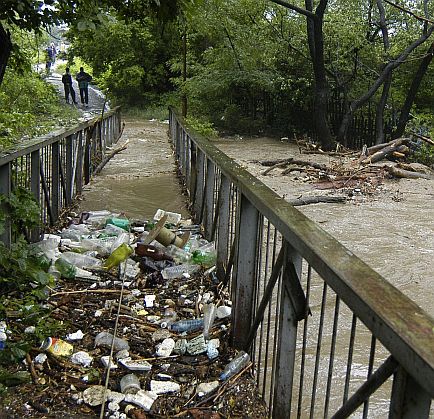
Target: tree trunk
pixel 412 92
pixel 379 115
pixel 5 50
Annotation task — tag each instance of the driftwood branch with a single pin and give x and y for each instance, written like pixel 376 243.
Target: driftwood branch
pixel 282 163
pixel 107 158
pixel 423 138
pixel 401 173
pixel 316 200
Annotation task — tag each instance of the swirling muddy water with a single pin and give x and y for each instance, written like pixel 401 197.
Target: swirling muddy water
pixel 140 179
pixel 390 229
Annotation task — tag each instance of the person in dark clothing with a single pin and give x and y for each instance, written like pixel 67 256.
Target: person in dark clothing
pixel 83 80
pixel 67 84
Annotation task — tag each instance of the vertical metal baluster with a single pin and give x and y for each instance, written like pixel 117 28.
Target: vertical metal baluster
pixel 200 183
pixel 332 355
pixel 187 160
pixel 408 399
pixel 318 351
pixel 287 335
pixel 303 349
pixel 69 169
pixel 55 177
pixel 261 336
pixel 273 342
pixel 247 233
pixel 223 227
pixel 350 358
pixel 35 186
pixel 208 199
pixel 5 189
pixel 370 368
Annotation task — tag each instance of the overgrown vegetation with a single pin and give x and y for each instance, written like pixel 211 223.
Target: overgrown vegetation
pixel 24 283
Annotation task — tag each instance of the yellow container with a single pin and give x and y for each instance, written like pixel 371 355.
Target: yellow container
pixel 57 347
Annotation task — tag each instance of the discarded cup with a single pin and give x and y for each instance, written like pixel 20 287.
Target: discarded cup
pixel 130 384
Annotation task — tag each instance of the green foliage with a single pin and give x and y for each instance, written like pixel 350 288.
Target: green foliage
pixel 24 278
pixel 202 126
pixel 29 107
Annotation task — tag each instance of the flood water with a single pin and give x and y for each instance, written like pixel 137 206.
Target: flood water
pixel 392 231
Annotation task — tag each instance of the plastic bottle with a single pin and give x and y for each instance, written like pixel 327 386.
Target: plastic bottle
pixel 120 239
pixel 105 339
pixel 173 272
pixel 99 246
pixel 186 325
pixel 66 269
pixel 3 336
pixel 235 366
pixel 209 313
pixel 118 256
pixel 112 230
pixel 123 223
pixel 79 260
pixel 179 255
pixel 205 255
pixel 130 384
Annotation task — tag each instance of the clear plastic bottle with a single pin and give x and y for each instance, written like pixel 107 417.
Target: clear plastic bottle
pixel 112 230
pixel 66 269
pixel 179 255
pixel 186 325
pixel 235 366
pixel 177 271
pixel 98 245
pixel 209 314
pixel 105 339
pixel 79 260
pixel 122 238
pixel 3 336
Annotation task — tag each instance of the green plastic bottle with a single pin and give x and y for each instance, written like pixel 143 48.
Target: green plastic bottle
pixel 119 222
pixel 66 269
pixel 118 256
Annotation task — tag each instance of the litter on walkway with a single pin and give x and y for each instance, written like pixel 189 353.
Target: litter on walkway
pixel 147 323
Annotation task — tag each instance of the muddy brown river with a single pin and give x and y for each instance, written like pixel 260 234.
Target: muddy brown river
pixel 391 229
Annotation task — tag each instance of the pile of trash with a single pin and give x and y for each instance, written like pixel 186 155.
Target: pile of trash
pixel 148 322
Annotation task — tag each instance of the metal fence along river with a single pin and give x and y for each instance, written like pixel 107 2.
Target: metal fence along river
pixel 328 336
pixel 56 166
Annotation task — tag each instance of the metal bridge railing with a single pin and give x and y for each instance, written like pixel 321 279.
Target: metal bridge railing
pixel 328 336
pixel 55 167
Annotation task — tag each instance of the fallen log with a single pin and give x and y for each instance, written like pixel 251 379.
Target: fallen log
pixel 387 151
pixel 316 200
pixel 377 147
pixel 285 162
pixel 401 173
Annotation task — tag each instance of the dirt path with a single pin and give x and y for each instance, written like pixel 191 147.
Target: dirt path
pixel 392 229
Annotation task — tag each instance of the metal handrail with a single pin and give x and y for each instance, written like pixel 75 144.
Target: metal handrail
pixel 54 167
pixel 396 321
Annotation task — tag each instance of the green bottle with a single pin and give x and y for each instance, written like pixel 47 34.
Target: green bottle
pixel 119 222
pixel 66 269
pixel 118 256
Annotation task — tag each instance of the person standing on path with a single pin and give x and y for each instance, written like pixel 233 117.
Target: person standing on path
pixel 83 80
pixel 67 84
